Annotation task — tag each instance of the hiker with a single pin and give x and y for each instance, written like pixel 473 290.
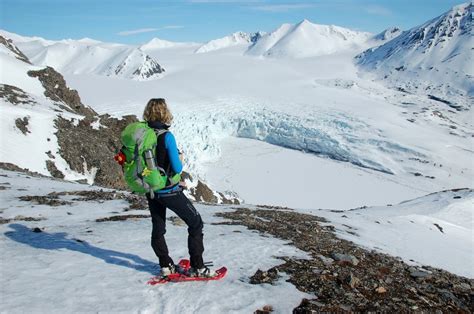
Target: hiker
pixel 168 157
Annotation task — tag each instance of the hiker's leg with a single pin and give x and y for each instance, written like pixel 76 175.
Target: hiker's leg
pixel 183 207
pixel 158 242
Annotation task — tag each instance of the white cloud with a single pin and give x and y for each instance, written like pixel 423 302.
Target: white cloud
pixel 378 10
pixel 147 30
pixel 137 31
pixel 283 7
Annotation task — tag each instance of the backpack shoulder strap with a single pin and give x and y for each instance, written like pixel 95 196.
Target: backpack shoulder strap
pixel 159 132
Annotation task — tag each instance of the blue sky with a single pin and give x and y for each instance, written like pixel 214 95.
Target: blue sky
pixel 135 22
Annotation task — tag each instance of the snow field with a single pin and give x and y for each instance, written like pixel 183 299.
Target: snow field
pixel 53 272
pixel 432 230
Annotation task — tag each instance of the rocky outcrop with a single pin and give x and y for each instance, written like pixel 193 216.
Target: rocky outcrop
pixel 57 90
pixel 345 278
pixel 148 69
pixel 8 43
pixel 22 125
pixel 87 149
pixel 15 95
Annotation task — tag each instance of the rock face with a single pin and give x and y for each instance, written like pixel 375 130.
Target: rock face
pixel 15 95
pixel 87 149
pixel 8 43
pixel 357 280
pixel 57 90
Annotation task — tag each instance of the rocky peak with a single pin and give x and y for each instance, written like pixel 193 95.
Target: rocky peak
pixel 441 30
pixel 148 68
pixel 138 65
pixel 8 43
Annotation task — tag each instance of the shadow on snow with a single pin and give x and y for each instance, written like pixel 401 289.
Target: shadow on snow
pixel 57 241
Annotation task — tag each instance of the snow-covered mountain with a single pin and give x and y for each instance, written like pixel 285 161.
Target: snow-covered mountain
pixel 89 56
pixel 434 58
pixel 306 39
pixel 157 43
pixel 29 110
pixel 388 34
pixel 235 39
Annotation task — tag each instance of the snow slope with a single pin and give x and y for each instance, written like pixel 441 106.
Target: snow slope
pixel 157 43
pixel 235 39
pixel 90 56
pixel 30 149
pixel 79 265
pixel 436 229
pixel 306 39
pixel 433 58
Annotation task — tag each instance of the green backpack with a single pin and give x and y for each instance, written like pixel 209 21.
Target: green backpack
pixel 140 171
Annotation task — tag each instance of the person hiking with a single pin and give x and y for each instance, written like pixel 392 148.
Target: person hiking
pixel 168 157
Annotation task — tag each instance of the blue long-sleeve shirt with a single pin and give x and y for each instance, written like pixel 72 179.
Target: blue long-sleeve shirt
pixel 173 153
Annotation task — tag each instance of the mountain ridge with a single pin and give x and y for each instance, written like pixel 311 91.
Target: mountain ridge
pixel 432 58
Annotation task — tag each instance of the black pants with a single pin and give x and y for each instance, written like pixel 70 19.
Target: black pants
pixel 183 207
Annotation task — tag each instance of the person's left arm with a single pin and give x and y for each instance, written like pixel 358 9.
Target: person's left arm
pixel 173 153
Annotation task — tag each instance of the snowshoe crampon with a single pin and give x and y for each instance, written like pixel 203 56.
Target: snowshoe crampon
pixel 184 265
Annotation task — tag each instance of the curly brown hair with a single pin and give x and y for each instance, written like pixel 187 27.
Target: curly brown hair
pixel 157 110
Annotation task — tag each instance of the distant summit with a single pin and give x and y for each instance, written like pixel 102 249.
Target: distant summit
pixel 238 38
pixel 306 39
pixel 7 46
pixel 157 43
pixel 388 34
pixel 435 56
pixel 89 56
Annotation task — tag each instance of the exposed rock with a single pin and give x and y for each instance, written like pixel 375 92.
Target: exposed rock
pixel 136 202
pixel 269 276
pixel 352 281
pixel 20 218
pixel 376 283
pixel 8 43
pixel 203 193
pixel 326 260
pixel 267 309
pixel 12 167
pixel 86 149
pixel 51 166
pixel 15 95
pixel 344 258
pixel 57 90
pixel 49 200
pixel 416 273
pixel 122 218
